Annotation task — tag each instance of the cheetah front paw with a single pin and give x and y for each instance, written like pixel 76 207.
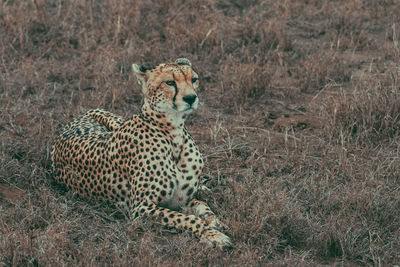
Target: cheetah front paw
pixel 215 238
pixel 215 223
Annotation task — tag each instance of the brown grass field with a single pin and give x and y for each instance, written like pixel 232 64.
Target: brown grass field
pixel 299 124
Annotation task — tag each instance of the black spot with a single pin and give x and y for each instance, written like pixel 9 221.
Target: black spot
pixel 185 186
pixel 190 191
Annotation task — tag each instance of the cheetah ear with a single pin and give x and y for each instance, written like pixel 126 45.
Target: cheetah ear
pixel 183 61
pixel 140 73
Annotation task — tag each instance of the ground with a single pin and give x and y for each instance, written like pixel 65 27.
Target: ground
pixel 298 123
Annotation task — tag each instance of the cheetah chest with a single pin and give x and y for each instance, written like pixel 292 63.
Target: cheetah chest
pixel 189 163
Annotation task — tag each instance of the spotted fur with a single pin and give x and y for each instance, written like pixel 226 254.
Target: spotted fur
pixel 148 164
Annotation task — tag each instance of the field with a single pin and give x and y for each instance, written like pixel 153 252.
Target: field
pixel 299 124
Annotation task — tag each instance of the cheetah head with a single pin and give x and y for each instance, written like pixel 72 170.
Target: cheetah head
pixel 169 87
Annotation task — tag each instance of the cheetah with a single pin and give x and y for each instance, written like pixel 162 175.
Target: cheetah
pixel 148 164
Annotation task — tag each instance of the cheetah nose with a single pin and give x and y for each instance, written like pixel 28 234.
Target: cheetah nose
pixel 189 99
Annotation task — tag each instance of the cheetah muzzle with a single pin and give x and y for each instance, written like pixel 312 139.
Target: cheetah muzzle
pixel 148 164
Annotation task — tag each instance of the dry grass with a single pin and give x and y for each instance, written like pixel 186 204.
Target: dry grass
pixel 299 125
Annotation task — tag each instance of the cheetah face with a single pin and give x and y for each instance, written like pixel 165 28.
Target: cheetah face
pixel 169 87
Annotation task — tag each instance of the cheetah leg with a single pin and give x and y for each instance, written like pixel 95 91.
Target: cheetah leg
pixel 191 223
pixel 202 210
pixel 111 121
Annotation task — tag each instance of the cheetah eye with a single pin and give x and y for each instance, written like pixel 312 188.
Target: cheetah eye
pixel 171 83
pixel 195 80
